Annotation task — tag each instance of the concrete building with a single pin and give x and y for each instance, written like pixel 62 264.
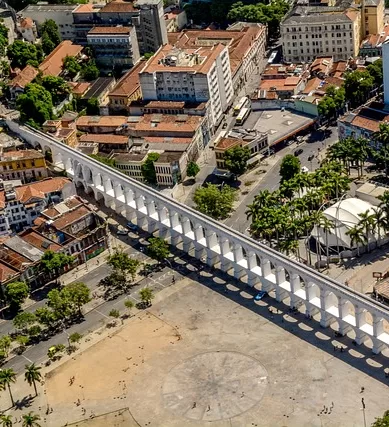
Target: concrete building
pixel 255 143
pixel 246 45
pixel 60 13
pixel 17 84
pixel 114 47
pixel 324 300
pixel 26 165
pixel 126 90
pixel 175 20
pixel 308 32
pixel 191 75
pixel 385 66
pixel 20 206
pixel 145 15
pixel 373 16
pixel 26 27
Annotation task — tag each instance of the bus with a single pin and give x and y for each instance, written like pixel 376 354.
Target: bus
pixel 243 102
pixel 242 116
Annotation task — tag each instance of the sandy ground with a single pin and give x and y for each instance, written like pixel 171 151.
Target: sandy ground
pixel 203 357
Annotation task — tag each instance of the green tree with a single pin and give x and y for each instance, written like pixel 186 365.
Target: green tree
pixel 6 420
pixel 148 55
pixel 333 102
pixel 192 169
pixel 71 66
pixel 357 86
pixel 23 320
pixel 382 422
pixel 3 39
pixel 77 294
pixel 75 337
pixel 35 104
pixel 31 420
pixel 114 284
pixel 90 71
pixel 122 263
pixel 7 377
pixel 20 53
pixel 5 344
pixel 236 159
pixel 93 107
pixel 158 249
pixel 32 375
pixel 45 316
pixel 148 169
pixel 114 313
pixel 128 304
pixel 214 202
pixel 146 295
pixel 23 341
pixel 376 71
pixel 290 167
pixel 16 293
pixel 55 262
pixel 49 32
pixel 57 87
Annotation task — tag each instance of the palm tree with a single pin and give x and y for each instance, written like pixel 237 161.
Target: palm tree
pixel 367 222
pixel 8 376
pixel 326 225
pixel 6 420
pixel 379 222
pixel 357 237
pixel 32 375
pixel 31 420
pixel 383 137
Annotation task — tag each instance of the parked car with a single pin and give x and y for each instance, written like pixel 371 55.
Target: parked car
pixel 298 152
pixel 132 226
pixel 260 295
pixel 122 232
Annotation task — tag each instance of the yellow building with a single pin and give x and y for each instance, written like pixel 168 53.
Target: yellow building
pixel 26 165
pixel 373 16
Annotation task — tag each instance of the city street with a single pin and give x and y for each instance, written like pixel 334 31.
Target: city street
pixel 270 181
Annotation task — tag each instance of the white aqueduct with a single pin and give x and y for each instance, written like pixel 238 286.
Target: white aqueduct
pixel 223 248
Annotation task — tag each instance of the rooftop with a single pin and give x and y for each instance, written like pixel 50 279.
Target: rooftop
pixel 226 143
pixel 6 272
pixel 129 83
pixel 20 155
pixel 39 241
pixel 107 138
pixel 118 7
pixel 109 30
pixel 47 8
pixel 319 15
pixel 98 87
pixel 280 84
pixel 26 76
pixel 173 59
pixel 376 40
pixel 71 217
pixel 168 157
pixel 24 248
pixel 367 117
pixel 26 23
pixel 53 63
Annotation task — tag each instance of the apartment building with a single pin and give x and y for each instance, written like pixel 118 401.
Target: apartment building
pixel 145 15
pixel 308 32
pixel 246 45
pixel 20 206
pixel 60 13
pixel 192 75
pixel 25 165
pixel 114 47
pixel 373 16
pixel 26 27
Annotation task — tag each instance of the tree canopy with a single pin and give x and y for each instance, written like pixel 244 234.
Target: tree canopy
pixel 3 39
pixel 158 249
pixel 236 159
pixel 57 87
pixel 35 104
pixel 358 85
pixel 382 421
pixel 21 53
pixel 214 202
pixel 90 71
pixel 192 169
pixel 332 102
pixel 16 293
pixel 122 263
pixel 71 66
pixel 50 35
pixel 148 169
pixel 290 167
pixel 55 261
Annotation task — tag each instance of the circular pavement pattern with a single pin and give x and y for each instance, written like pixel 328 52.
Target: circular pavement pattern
pixel 214 386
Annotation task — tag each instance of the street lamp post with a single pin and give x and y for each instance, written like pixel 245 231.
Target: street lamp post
pixel 363 410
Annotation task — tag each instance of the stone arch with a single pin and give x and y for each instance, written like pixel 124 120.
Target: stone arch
pixel 348 312
pixel 313 293
pixel 99 197
pixel 87 174
pixel 48 153
pixel 88 189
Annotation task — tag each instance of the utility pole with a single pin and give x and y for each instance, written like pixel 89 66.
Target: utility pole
pixel 363 410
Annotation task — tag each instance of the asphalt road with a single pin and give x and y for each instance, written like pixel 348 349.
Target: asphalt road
pixel 95 318
pixel 271 180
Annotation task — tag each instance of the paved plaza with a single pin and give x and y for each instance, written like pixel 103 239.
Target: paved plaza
pixel 208 354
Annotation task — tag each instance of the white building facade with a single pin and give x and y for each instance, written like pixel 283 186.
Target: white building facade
pixel 190 75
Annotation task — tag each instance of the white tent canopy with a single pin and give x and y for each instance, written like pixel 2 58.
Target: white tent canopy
pixel 344 215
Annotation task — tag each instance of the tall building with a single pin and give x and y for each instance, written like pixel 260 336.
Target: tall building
pixel 146 16
pixel 114 47
pixel 385 66
pixel 311 31
pixel 191 75
pixel 373 16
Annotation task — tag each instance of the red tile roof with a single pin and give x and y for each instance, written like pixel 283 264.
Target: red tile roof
pixel 41 242
pixel 107 138
pixel 118 7
pixel 53 63
pixel 6 273
pixel 70 217
pixel 129 83
pixel 110 30
pixel 40 188
pixel 20 155
pixel 26 76
pixel 27 23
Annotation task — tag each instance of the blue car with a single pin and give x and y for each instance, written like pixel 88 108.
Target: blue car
pixel 260 295
pixel 132 226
